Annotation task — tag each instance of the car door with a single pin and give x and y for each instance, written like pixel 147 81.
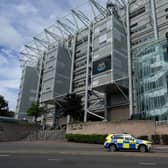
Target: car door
pixel 126 143
pixel 118 140
pixel 129 143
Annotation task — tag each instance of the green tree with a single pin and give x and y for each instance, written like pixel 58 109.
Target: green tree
pixel 3 106
pixel 73 106
pixel 35 111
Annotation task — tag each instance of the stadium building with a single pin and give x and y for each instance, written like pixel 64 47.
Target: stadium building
pixel 112 53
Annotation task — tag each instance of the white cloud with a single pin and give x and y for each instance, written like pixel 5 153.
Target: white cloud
pixel 19 22
pixel 6 87
pixel 9 76
pixel 10 72
pixel 8 35
pixel 10 84
pixel 3 61
pixel 26 9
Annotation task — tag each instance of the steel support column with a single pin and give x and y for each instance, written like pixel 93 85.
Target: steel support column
pixel 72 69
pixel 129 64
pixel 87 76
pixel 105 107
pixel 153 7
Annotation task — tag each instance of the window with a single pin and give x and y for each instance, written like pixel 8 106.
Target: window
pixel 50 67
pixel 166 16
pixel 140 28
pixel 118 137
pixel 102 30
pixel 166 10
pixel 102 39
pixel 142 40
pixel 51 57
pixel 78 51
pixel 137 12
pixel 135 24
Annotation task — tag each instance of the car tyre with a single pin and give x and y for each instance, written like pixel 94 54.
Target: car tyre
pixel 112 148
pixel 142 148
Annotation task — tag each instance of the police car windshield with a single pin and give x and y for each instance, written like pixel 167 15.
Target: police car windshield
pixel 130 137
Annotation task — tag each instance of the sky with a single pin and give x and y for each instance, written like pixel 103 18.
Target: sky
pixel 20 20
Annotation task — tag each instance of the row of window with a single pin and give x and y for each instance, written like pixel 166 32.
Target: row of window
pixel 83 63
pixel 79 54
pixel 148 86
pixel 155 102
pixel 137 12
pixel 103 27
pixel 142 40
pixel 147 51
pixel 78 73
pixel 78 85
pixel 138 29
pixel 147 71
pixel 83 40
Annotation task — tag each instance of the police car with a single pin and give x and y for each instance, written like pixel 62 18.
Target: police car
pixel 116 142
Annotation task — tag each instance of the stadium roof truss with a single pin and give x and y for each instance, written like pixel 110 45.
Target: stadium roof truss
pixel 78 19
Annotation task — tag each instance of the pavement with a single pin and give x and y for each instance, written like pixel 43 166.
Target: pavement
pixel 60 154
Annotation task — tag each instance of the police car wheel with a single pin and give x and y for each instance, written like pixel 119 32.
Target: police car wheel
pixel 112 148
pixel 142 148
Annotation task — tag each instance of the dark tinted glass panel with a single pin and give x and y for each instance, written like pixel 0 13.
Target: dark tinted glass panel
pixel 102 65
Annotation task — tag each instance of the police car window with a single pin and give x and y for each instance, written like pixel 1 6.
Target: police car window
pixel 129 138
pixel 118 137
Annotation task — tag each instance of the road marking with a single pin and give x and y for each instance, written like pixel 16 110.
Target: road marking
pixel 55 159
pixel 147 164
pixel 4 155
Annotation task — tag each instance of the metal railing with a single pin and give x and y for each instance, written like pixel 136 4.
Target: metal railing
pixel 162 122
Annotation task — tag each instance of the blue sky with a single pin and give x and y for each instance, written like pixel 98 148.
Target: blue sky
pixel 20 20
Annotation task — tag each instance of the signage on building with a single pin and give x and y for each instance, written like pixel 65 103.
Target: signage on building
pixel 102 65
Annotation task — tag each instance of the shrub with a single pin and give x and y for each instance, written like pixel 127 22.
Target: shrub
pixel 165 139
pixel 156 139
pixel 92 139
pixel 143 137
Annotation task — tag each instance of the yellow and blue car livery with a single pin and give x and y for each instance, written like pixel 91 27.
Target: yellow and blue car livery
pixel 115 142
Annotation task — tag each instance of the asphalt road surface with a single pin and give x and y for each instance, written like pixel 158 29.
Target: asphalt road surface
pixel 72 155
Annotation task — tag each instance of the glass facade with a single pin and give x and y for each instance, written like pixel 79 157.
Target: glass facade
pixel 151 81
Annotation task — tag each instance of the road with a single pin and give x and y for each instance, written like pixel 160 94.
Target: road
pixel 72 155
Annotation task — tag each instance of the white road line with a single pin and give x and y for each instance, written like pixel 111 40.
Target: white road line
pixel 55 159
pixel 4 155
pixel 147 164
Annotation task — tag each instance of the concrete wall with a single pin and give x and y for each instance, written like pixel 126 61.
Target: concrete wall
pixel 134 127
pixel 118 113
pixel 162 129
pixel 14 131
